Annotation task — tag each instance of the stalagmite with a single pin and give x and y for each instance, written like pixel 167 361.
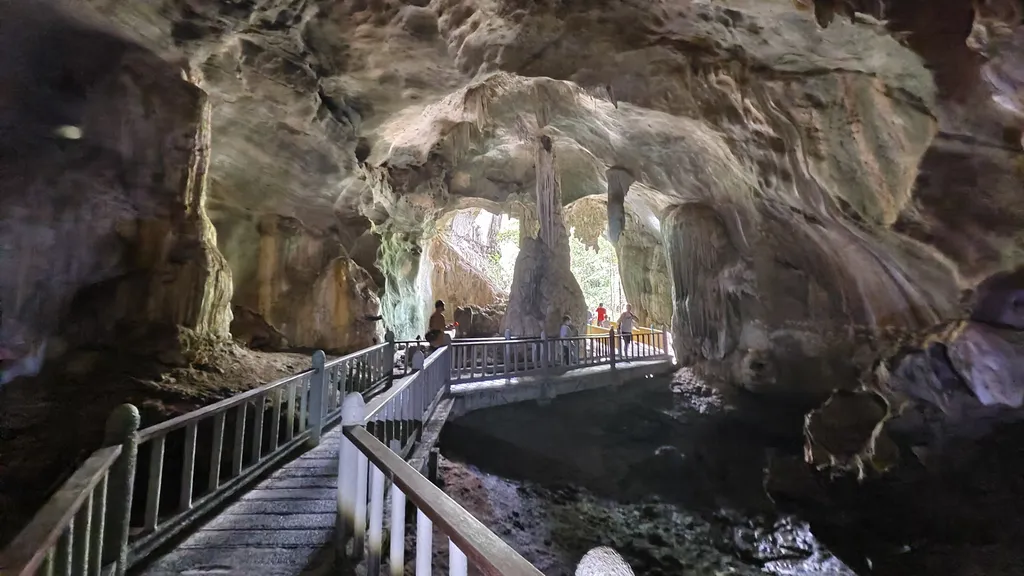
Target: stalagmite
pixel 543 287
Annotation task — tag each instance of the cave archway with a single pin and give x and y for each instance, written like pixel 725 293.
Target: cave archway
pixel 468 262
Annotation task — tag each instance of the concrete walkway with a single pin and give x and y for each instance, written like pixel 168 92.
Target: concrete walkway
pixel 543 387
pixel 285 525
pixel 282 527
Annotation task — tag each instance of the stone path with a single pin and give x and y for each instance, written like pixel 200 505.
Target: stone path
pixel 282 527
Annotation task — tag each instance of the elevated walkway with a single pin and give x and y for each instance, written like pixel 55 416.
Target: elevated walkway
pixel 283 526
pixel 266 483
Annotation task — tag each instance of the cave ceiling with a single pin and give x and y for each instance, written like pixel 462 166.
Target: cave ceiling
pixel 391 111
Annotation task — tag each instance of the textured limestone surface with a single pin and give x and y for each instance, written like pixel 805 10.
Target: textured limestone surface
pixel 799 189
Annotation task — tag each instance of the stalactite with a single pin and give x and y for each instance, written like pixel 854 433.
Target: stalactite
pixel 619 181
pixel 549 195
pixel 492 232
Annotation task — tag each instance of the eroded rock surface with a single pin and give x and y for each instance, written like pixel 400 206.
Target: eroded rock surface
pixel 104 229
pixel 809 200
pixel 800 144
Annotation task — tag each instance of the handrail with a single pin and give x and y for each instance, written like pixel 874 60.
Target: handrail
pixel 476 360
pixel 357 354
pixel 64 534
pixel 469 539
pixel 439 359
pixel 247 435
pixel 270 423
pixel 217 407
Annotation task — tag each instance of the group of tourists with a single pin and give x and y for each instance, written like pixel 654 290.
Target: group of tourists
pixel 437 332
pixel 625 321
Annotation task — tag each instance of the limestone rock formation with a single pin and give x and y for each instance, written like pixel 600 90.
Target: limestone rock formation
pixel 799 194
pixel 103 179
pixel 458 261
pixel 478 322
pixel 543 287
pixel 304 285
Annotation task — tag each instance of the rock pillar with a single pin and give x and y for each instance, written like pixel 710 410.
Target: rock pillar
pixel 619 182
pixel 543 287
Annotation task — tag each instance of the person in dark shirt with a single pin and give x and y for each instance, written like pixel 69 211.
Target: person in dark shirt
pixel 436 327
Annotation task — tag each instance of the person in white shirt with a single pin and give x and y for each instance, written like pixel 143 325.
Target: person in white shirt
pixel 565 331
pixel 626 327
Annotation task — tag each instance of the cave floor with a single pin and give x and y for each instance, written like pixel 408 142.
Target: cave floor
pixel 50 424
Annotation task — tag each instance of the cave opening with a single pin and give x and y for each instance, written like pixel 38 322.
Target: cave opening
pixel 474 254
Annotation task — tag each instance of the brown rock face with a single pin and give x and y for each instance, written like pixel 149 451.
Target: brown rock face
pixel 103 183
pixel 304 285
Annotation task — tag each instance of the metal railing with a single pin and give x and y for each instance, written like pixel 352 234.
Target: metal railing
pixel 90 525
pixel 207 463
pixel 83 528
pixel 397 416
pixel 376 439
pixel 490 358
pixel 67 534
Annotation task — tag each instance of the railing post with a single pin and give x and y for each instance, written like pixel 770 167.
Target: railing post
pixel 543 349
pixel 352 410
pixel 508 351
pixel 122 428
pixel 611 346
pixel 317 393
pixel 389 354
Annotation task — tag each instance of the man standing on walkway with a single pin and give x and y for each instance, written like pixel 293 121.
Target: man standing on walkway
pixel 602 314
pixel 626 327
pixel 566 331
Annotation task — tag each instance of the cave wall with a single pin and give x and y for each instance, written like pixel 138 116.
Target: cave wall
pixel 645 276
pixel 407 273
pixel 103 225
pixel 457 281
pixel 797 148
pixel 301 283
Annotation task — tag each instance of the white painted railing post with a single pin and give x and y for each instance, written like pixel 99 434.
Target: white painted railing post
pixel 508 351
pixel 611 346
pixel 121 428
pixel 376 521
pixel 543 349
pixel 457 563
pixel 352 410
pixel 396 555
pixel 424 544
pixel 389 354
pixel 317 395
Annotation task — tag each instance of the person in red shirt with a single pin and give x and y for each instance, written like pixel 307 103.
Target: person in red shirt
pixel 602 314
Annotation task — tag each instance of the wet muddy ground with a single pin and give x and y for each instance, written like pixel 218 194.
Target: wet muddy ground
pixel 671 481
pixel 672 477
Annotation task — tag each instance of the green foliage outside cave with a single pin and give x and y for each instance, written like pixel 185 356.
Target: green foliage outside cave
pixel 597 272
